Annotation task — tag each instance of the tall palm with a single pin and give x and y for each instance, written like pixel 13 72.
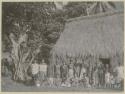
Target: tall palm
pixel 99 7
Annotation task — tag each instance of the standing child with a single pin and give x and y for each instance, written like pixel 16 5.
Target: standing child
pixel 107 79
pixel 112 80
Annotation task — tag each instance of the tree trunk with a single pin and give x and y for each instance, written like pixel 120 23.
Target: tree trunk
pixel 19 73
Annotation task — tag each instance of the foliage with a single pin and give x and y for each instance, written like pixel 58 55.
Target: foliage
pixel 29 30
pixel 26 27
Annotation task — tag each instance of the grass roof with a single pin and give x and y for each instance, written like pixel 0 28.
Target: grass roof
pixel 100 36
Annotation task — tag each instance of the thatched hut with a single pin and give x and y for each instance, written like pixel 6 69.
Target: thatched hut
pixel 100 36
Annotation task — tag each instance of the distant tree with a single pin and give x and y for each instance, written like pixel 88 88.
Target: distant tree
pixel 100 7
pixel 76 9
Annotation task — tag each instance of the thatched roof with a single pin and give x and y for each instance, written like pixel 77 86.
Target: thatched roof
pixel 100 36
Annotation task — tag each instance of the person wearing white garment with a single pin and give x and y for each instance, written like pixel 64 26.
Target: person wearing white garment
pixel 107 79
pixel 120 75
pixel 35 71
pixel 83 71
pixel 43 71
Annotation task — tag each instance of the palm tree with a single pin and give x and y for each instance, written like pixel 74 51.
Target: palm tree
pixel 100 7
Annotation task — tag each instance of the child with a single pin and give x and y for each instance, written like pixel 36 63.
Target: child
pixel 112 80
pixel 75 81
pixel 51 81
pixel 85 80
pixel 107 79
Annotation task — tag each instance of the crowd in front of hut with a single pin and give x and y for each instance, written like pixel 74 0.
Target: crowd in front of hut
pixel 76 73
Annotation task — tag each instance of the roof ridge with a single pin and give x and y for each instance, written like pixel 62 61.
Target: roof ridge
pixel 95 16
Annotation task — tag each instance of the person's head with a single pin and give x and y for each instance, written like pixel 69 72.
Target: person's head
pixel 84 74
pixel 35 61
pixel 43 61
pixel 84 65
pixel 107 71
pixel 119 64
pixel 107 65
pixel 102 64
pixel 64 63
pixel 112 74
pixel 57 63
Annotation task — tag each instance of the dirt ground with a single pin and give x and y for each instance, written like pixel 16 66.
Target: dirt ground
pixel 8 85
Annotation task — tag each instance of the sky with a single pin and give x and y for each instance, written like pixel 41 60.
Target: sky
pixel 119 5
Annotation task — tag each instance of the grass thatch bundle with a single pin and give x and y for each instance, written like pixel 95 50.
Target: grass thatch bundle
pixel 101 36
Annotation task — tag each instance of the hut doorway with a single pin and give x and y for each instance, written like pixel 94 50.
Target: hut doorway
pixel 105 61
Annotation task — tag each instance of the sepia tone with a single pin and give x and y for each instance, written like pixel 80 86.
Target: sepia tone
pixel 56 46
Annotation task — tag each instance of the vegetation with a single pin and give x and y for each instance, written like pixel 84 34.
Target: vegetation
pixel 29 31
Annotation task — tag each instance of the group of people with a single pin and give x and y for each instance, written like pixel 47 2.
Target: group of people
pixel 38 72
pixel 72 73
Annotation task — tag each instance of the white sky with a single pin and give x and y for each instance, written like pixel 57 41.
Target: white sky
pixel 119 5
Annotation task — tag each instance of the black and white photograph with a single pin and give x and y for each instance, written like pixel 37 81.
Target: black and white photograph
pixel 62 46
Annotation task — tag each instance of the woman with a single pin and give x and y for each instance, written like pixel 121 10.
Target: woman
pixel 95 77
pixel 71 71
pixel 57 74
pixel 77 68
pixel 83 70
pixel 43 72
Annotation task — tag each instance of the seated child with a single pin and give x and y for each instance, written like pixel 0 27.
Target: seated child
pixel 85 80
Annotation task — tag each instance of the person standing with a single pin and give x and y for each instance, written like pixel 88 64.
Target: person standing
pixel 43 72
pixel 107 79
pixel 71 71
pixel 120 75
pixel 35 71
pixel 83 70
pixel 112 80
pixel 57 74
pixel 101 74
pixel 64 72
pixel 77 67
pixel 95 78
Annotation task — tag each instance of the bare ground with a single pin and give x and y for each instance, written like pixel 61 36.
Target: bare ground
pixel 9 85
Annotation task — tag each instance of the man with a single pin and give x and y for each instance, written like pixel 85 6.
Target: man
pixel 101 74
pixel 64 72
pixel 57 74
pixel 35 71
pixel 57 70
pixel 95 77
